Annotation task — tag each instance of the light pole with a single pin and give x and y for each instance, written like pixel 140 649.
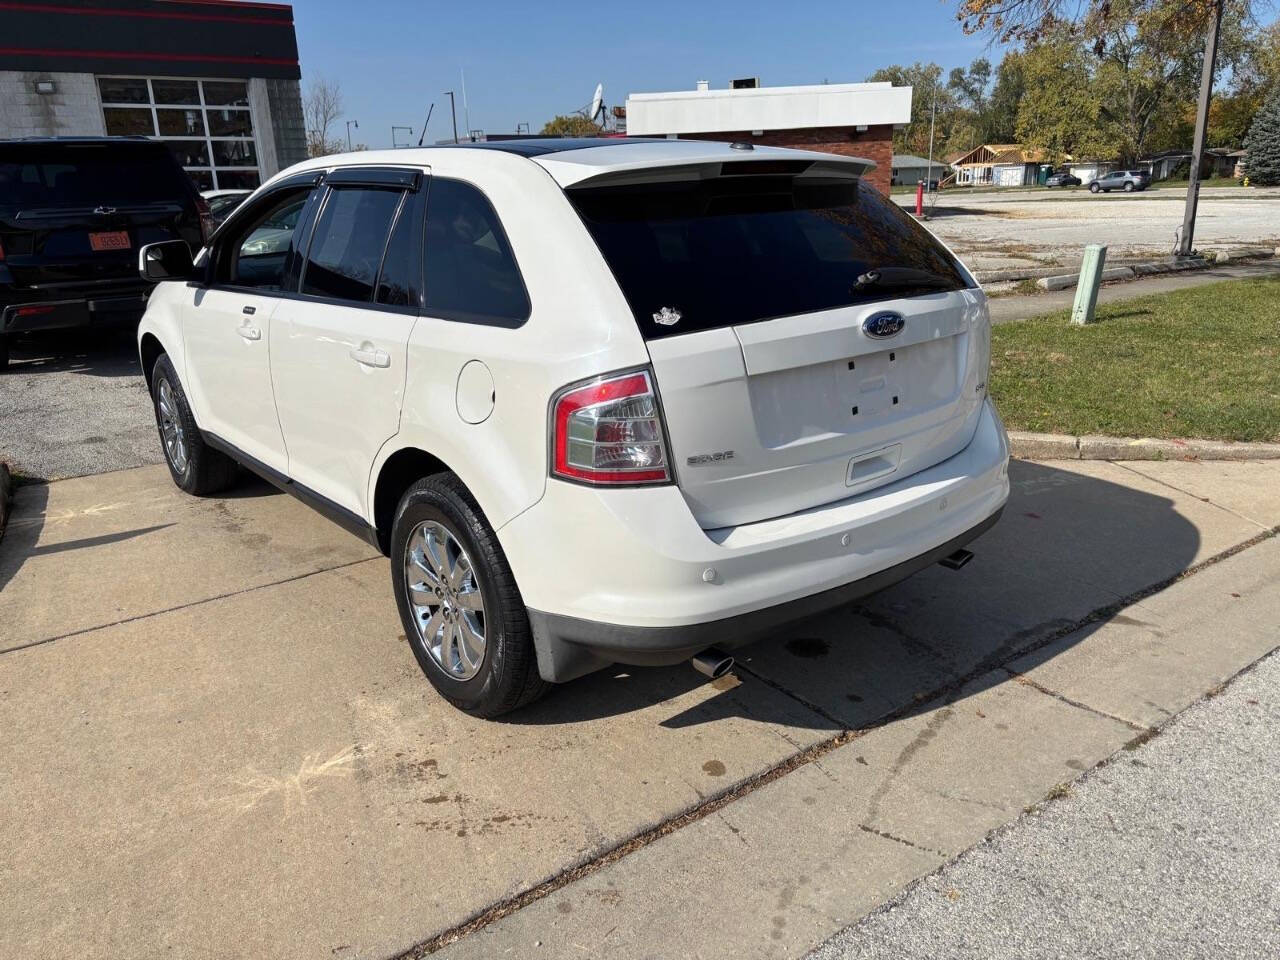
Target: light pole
pixel 1185 245
pixel 454 113
pixel 350 124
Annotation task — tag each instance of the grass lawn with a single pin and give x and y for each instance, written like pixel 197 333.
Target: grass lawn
pixel 1201 363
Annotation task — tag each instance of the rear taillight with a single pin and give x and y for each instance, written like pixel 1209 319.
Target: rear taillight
pixel 206 219
pixel 1 251
pixel 609 432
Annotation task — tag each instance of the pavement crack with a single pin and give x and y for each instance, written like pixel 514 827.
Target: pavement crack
pixel 1174 486
pixel 1026 681
pixel 902 840
pixel 181 606
pixel 624 848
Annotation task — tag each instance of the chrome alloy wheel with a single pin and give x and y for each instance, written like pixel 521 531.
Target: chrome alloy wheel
pixel 445 597
pixel 175 437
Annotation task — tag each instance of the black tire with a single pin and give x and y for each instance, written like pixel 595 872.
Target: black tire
pixel 507 677
pixel 1094 188
pixel 206 470
pixel 4 353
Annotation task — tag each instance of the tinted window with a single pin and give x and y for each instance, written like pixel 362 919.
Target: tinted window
pixel 470 271
pixel 349 240
pixel 77 175
pixel 401 267
pixel 257 251
pixel 733 250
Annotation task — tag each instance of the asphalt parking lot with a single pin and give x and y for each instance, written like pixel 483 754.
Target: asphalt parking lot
pixel 76 404
pixel 217 735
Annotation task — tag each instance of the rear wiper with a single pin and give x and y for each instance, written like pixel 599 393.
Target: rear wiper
pixel 901 277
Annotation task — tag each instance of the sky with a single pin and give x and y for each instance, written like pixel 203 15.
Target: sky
pixel 525 62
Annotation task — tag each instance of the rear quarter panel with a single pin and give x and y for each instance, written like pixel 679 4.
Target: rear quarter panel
pixel 579 326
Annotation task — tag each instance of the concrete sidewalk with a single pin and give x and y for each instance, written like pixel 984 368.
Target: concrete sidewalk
pixel 1019 307
pixel 1168 851
pixel 218 741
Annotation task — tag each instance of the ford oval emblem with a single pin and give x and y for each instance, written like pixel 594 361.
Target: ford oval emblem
pixel 883 325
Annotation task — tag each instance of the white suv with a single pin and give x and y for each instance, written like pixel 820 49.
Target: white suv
pixel 599 401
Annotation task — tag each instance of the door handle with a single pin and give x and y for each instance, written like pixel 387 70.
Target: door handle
pixel 368 355
pixel 248 331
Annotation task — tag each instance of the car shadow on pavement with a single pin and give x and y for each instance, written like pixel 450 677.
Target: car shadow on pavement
pixel 22 532
pixel 98 353
pixel 1070 551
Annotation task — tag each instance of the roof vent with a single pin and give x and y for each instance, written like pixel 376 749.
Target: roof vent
pixel 744 83
pixel 739 145
pixel 703 86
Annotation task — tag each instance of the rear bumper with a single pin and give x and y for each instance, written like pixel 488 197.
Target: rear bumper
pixel 633 579
pixel 86 309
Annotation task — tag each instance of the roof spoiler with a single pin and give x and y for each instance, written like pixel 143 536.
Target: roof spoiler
pixel 837 167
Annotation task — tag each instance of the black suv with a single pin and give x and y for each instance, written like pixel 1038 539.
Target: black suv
pixel 73 214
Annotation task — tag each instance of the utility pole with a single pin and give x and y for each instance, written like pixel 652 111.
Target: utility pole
pixel 1186 245
pixel 454 113
pixel 933 112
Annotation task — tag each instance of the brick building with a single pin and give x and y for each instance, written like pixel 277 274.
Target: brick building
pixel 218 82
pixel 855 119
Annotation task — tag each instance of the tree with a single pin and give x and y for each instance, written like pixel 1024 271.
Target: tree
pixel 321 108
pixel 1262 165
pixel 1058 111
pixel 573 125
pixel 925 79
pixel 1001 120
pixel 1033 20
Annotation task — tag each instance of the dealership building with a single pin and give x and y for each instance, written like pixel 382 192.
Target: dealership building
pixel 217 81
pixel 854 119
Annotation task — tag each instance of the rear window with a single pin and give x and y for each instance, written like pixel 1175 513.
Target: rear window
pixel 79 175
pixel 731 250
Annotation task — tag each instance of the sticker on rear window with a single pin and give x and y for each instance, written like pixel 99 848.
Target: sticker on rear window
pixel 667 317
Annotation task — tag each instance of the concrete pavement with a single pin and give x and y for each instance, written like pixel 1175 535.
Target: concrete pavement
pixel 220 743
pixel 1169 850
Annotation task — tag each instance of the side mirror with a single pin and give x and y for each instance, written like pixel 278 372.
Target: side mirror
pixel 170 260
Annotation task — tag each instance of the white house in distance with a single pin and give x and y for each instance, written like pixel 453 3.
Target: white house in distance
pixel 854 119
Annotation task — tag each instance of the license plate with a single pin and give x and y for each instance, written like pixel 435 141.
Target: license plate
pixel 109 240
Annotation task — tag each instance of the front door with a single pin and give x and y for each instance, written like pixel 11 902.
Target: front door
pixel 227 330
pixel 339 349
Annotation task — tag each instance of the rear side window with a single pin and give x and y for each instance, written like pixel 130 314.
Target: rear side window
pixel 470 272
pixel 724 251
pixel 350 238
pixel 89 175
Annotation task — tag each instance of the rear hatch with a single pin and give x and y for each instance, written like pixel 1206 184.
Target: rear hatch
pixel 809 339
pixel 75 214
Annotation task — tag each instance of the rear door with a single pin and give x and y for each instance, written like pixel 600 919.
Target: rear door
pixel 809 340
pixel 338 348
pixel 74 214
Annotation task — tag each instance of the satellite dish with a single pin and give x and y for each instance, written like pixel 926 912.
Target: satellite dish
pixel 597 102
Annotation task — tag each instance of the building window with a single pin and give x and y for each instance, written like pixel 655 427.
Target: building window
pixel 206 123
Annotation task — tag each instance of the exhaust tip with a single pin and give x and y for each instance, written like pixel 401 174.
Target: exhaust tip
pixel 712 663
pixel 956 560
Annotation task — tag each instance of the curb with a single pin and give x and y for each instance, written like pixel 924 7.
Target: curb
pixel 1057 446
pixel 1067 281
pixel 6 495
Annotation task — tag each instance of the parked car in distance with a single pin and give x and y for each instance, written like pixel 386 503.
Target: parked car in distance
pixel 74 213
pixel 600 402
pixel 1062 179
pixel 223 202
pixel 1126 180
